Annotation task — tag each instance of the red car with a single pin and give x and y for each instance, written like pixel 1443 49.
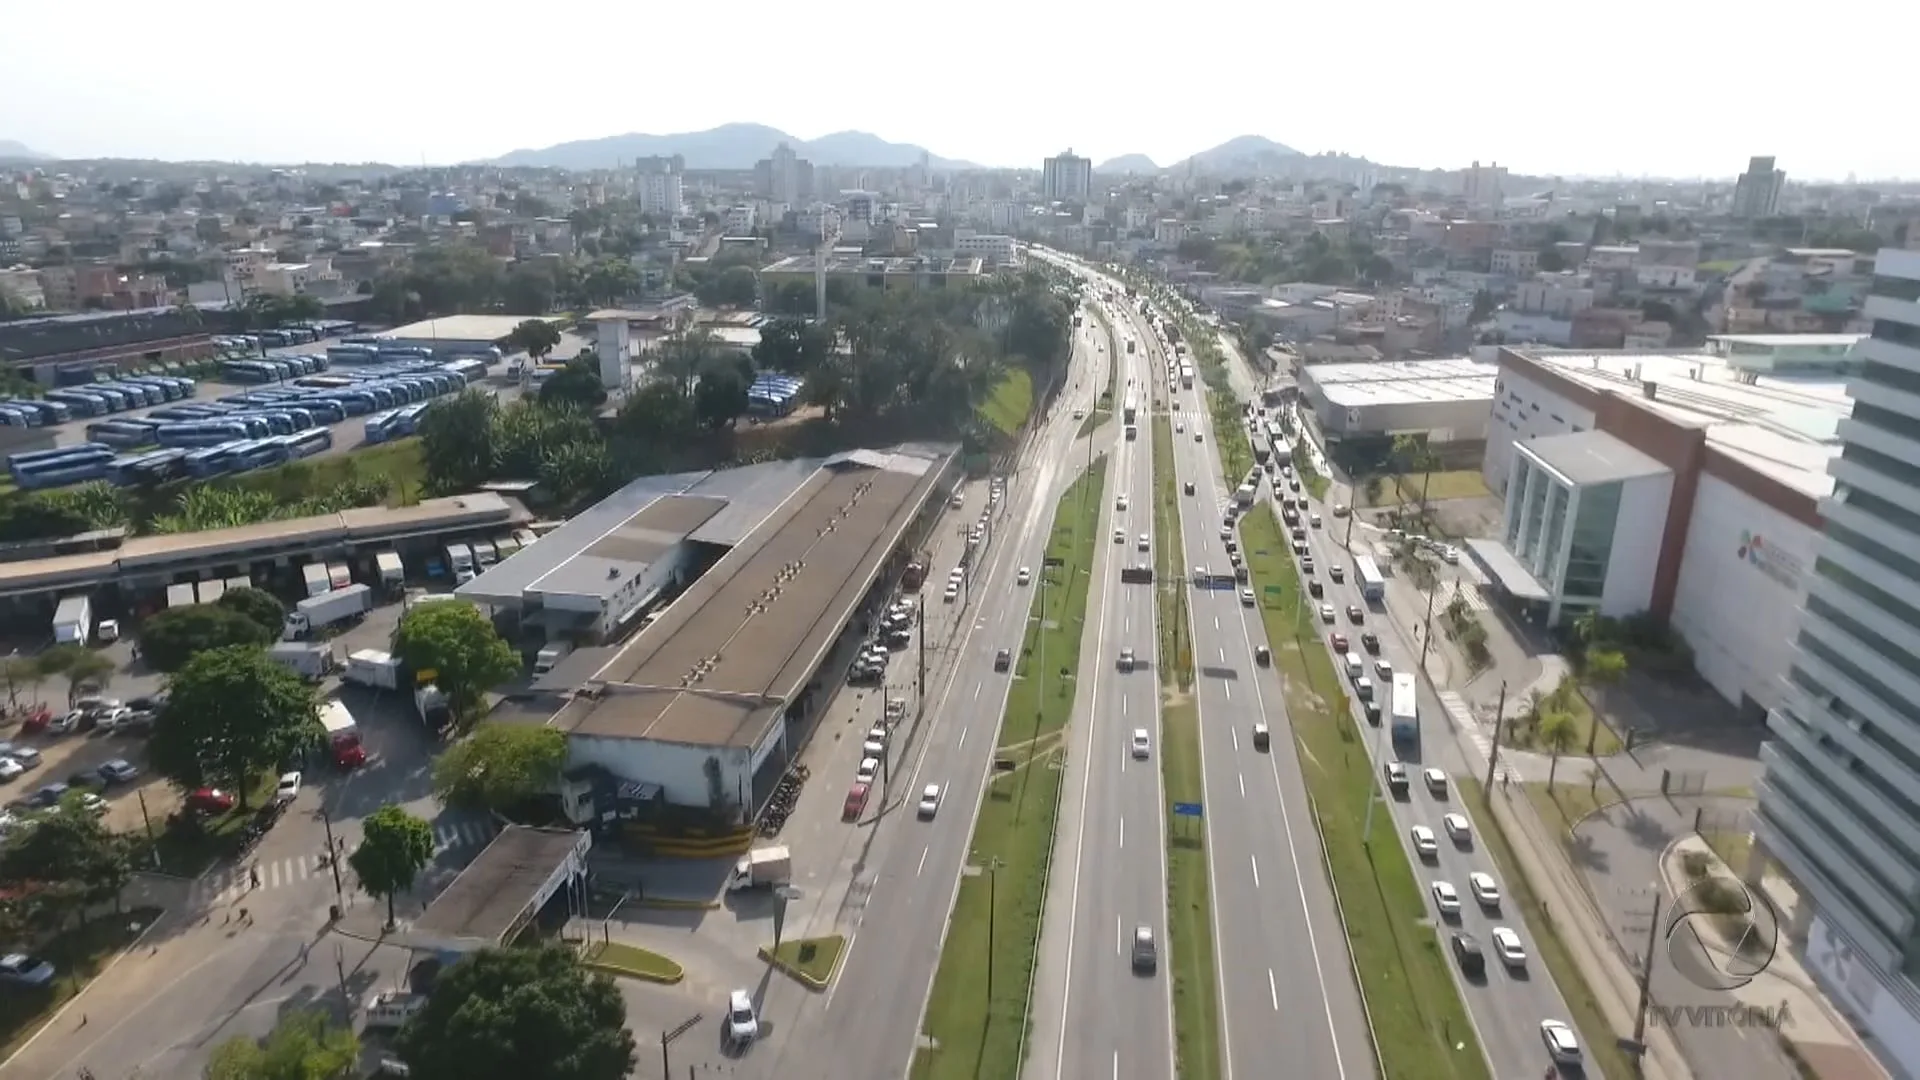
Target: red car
pixel 856 802
pixel 210 801
pixel 1338 641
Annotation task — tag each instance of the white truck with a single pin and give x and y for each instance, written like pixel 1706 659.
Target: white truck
pixel 317 611
pixel 484 553
pixel 393 575
pixel 338 576
pixel 549 658
pixel 765 867
pixel 1245 494
pixel 432 706
pixel 460 563
pixel 315 575
pixel 374 668
pixel 310 661
pixel 211 591
pixel 342 735
pixel 180 595
pixel 389 1010
pixel 73 620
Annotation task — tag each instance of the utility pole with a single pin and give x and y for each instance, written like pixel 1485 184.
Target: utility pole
pixel 340 970
pixel 993 896
pixel 666 1040
pixel 333 859
pixel 147 819
pixel 920 706
pixel 1426 636
pixel 1646 976
pixel 1493 752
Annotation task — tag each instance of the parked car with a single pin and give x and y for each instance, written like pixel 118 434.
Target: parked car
pixel 21 969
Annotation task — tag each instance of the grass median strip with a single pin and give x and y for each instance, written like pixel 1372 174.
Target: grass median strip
pixel 977 1016
pixel 1419 1022
pixel 1196 1002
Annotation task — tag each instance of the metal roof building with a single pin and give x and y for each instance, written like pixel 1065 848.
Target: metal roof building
pixel 1445 400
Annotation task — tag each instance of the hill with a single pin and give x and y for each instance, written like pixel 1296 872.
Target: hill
pixel 1128 163
pixel 1244 154
pixel 18 151
pixel 729 146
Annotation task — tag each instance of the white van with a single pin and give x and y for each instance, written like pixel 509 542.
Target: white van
pixel 389 1009
pixel 1356 667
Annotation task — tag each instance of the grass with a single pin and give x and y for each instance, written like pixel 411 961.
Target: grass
pixel 188 854
pixel 1093 421
pixel 1564 804
pixel 1523 734
pixel 1310 477
pixel 1196 1004
pixel 632 960
pixel 1734 846
pixel 978 1013
pixel 1414 1005
pixel 811 960
pixel 1012 399
pixel 1450 484
pixel 1548 949
pixel 79 955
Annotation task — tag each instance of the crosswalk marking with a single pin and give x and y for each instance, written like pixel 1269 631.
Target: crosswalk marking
pixel 231 882
pixel 1463 719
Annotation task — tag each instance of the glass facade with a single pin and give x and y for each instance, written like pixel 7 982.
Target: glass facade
pixel 1562 533
pixel 1592 546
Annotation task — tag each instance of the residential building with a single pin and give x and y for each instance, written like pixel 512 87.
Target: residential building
pixel 1514 263
pixel 1066 178
pixel 1484 187
pixel 660 193
pixel 912 272
pixel 1840 800
pixel 20 288
pixel 1756 194
pixel 1827 355
pixel 994 250
pixel 784 177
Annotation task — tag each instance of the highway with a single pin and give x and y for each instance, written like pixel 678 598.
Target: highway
pixel 1286 989
pixel 1094 1015
pixel 1506 1005
pixel 868 1023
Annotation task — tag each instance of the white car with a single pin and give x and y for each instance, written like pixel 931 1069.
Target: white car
pixel 1179 428
pixel 742 1025
pixel 1458 828
pixel 288 789
pixel 1383 670
pixel 1445 898
pixel 1120 501
pixel 1326 613
pixel 869 768
pixel 1246 597
pixel 1119 536
pixel 1425 844
pixel 10 769
pixel 1507 944
pixel 1025 577
pixel 1140 744
pixel 873 748
pixel 1144 543
pixel 1485 892
pixel 1436 782
pixel 1314 520
pixel 1196 437
pixel 1562 1045
pixel 951 595
pixel 1226 532
pixel 929 800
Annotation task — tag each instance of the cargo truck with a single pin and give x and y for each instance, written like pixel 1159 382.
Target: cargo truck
pixel 309 661
pixel 210 591
pixel 180 595
pixel 342 735
pixel 372 668
pixel 338 576
pixel 1245 494
pixel 317 611
pixel 73 621
pixel 460 563
pixel 315 576
pixel 432 706
pixel 393 576
pixel 766 867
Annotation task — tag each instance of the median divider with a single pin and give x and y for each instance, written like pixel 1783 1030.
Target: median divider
pixel 1190 946
pixel 980 1007
pixel 1420 1026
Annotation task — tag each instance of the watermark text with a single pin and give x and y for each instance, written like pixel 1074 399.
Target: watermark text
pixel 1735 1015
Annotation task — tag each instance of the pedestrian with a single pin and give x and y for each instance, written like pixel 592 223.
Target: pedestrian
pixel 245 918
pixel 253 877
pixel 83 1019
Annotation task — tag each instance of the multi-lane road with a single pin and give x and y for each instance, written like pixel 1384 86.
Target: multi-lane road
pixel 1095 1015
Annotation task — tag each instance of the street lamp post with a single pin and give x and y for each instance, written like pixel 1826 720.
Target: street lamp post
pixel 666 1041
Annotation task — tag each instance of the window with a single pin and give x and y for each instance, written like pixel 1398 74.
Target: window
pixel 1892 287
pixel 1590 549
pixel 1897 332
pixel 1556 418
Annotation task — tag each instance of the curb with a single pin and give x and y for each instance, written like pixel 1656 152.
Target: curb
pixel 801 977
pixel 666 904
pixel 679 973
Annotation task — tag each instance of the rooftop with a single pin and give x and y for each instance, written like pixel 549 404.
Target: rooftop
pixel 1785 428
pixel 460 328
pixel 1788 341
pixel 493 897
pixel 1402 382
pixel 719 665
pixel 1592 457
pixel 860 264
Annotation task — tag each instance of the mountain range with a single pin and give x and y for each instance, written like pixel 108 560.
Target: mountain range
pixel 1239 154
pixel 729 146
pixel 19 151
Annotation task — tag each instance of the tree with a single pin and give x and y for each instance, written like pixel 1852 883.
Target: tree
pixel 257 604
pixel 736 286
pixel 82 669
pixel 168 639
pixel 792 346
pixel 232 714
pixel 576 386
pixel 535 337
pixel 1557 734
pixel 721 394
pixel 461 646
pixel 456 441
pixel 507 1014
pixel 1603 669
pixel 394 847
pixel 500 766
pixel 304 1045
pixel 66 863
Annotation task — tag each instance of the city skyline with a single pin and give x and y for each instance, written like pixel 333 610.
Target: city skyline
pixel 83 110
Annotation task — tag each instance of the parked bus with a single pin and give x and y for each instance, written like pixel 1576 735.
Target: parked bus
pixel 1372 585
pixel 309 442
pixel 119 434
pixel 1404 709
pixel 211 460
pixel 202 434
pixel 51 412
pixel 153 467
pixel 380 426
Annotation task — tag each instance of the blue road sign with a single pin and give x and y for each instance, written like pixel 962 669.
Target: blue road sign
pixel 1186 809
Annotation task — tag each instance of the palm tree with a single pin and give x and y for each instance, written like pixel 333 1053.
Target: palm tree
pixel 1604 668
pixel 1556 731
pixel 1586 626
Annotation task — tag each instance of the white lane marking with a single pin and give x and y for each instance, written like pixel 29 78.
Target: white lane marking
pixel 1123 706
pixel 963 741
pixel 923 860
pixel 1116 1065
pixel 1242 777
pixel 1216 622
pixel 1227 688
pixel 976 691
pixel 1119 937
pixel 1123 832
pixel 1223 656
pixel 1235 736
pixel 1273 990
pixel 1255 863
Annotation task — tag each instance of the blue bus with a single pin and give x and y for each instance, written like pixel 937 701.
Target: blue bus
pixel 25 412
pixel 136 395
pixel 14 417
pixel 119 434
pixel 246 371
pixel 153 467
pixel 210 460
pixel 259 455
pixel 57 453
pixel 53 474
pixel 471 371
pixel 308 443
pixel 52 412
pixel 204 433
pixel 380 426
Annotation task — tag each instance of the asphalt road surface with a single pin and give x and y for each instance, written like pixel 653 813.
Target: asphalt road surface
pixel 1286 987
pixel 868 1022
pixel 1096 1015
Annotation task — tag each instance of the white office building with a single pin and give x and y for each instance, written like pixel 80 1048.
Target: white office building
pixel 1067 178
pixel 1840 803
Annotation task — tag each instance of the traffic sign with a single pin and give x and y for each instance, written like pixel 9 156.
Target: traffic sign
pixel 1186 809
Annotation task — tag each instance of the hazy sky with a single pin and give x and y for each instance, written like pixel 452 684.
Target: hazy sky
pixel 1632 86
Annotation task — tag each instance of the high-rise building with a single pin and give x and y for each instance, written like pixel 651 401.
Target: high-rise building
pixel 1840 801
pixel 1484 186
pixel 1757 193
pixel 661 192
pixel 1066 178
pixel 784 176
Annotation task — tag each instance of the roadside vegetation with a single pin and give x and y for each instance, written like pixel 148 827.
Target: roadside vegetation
pixel 1190 949
pixel 980 1010
pixel 1419 1022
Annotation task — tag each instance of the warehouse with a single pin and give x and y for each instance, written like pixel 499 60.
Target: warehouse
pixel 457 335
pixel 715 695
pixel 1669 484
pixel 1444 400
pixel 503 891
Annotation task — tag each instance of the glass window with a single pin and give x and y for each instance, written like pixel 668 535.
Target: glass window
pixel 1591 548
